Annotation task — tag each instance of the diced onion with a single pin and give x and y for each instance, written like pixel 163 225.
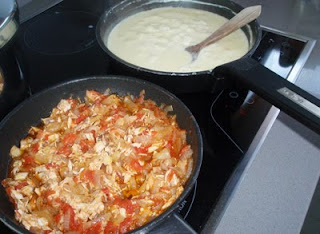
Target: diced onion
pixel 15 152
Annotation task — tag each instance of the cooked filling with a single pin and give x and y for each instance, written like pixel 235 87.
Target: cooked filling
pixel 156 39
pixel 108 164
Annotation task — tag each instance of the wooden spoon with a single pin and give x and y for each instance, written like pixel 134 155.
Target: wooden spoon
pixel 242 18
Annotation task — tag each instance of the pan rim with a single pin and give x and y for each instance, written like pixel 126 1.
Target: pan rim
pixel 193 177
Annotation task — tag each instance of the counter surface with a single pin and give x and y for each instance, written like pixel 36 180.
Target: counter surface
pixel 278 181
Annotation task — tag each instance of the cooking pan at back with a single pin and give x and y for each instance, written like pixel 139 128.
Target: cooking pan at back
pixel 189 82
pixel 29 113
pixel 124 9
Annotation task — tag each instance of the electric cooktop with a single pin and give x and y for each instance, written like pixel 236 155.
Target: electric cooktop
pixel 59 44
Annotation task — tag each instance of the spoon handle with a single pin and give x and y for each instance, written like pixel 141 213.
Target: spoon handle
pixel 242 18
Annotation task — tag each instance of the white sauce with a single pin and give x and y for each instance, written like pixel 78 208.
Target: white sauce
pixel 156 39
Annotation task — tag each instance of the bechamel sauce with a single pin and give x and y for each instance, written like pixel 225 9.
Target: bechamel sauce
pixel 156 39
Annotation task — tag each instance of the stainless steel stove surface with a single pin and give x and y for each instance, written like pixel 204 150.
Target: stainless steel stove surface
pixel 60 44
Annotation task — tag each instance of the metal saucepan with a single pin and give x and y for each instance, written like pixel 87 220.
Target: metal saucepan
pixel 189 82
pixel 245 71
pixel 29 113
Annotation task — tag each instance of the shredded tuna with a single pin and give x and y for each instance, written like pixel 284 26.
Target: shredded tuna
pixel 108 164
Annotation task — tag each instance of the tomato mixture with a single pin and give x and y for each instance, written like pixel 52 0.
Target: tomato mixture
pixel 109 164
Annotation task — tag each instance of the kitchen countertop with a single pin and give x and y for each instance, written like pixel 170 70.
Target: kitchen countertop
pixel 272 190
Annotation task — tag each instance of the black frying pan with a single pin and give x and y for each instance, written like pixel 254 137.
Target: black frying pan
pixel 245 71
pixel 29 113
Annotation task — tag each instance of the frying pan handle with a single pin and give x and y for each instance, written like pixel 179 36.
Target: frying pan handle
pixel 273 88
pixel 173 224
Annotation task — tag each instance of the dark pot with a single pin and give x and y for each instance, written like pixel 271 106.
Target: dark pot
pixel 189 82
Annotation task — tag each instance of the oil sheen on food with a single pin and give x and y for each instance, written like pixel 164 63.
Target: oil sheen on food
pixel 156 39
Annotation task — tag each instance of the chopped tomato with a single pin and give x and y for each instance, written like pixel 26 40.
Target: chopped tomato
pixel 99 100
pixel 141 150
pixel 169 145
pixel 4 182
pixel 173 139
pixel 39 134
pixel 140 99
pixel 174 144
pixel 8 190
pixel 90 176
pixel 35 147
pixel 57 218
pixel 75 179
pixel 110 228
pixel 27 168
pixel 21 185
pixel 139 115
pixel 85 145
pixel 83 108
pixel 46 137
pixel 136 165
pixel 58 200
pixel 157 201
pixel 153 133
pixel 103 126
pixel 157 112
pixel 126 204
pixel 171 174
pixel 71 224
pixel 125 225
pixel 115 117
pixel 105 190
pixel 80 118
pixel 46 195
pixel 115 113
pixel 65 150
pixel 73 102
pixel 95 96
pixel 28 160
pixel 51 165
pixel 95 228
pixel 94 135
pixel 69 139
pixel 184 149
pixel 165 189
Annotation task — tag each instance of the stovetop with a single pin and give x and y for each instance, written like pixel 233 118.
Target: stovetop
pixel 59 45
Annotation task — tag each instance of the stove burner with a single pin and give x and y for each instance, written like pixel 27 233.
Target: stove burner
pixel 61 32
